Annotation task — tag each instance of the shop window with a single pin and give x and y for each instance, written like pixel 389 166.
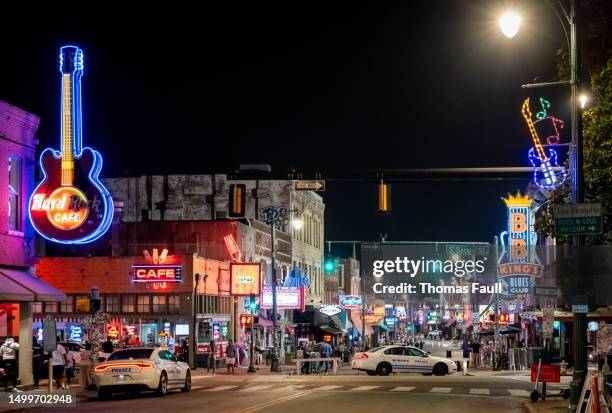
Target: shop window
pixel 159 303
pixel 67 306
pixel 14 190
pixel 37 307
pixel 143 303
pixel 51 307
pixel 174 304
pixel 112 304
pixel 82 303
pixel 128 304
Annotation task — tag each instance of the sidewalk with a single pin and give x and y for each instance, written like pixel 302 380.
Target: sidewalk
pixel 547 406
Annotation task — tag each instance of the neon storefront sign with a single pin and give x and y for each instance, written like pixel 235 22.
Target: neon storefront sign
pixel 350 302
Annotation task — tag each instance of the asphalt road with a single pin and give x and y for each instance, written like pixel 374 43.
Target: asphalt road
pixel 244 394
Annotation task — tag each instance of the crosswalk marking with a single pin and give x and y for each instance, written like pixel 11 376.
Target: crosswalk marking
pixel 290 388
pixel 324 388
pixel 256 388
pixel 519 393
pixel 364 388
pixel 485 392
pixel 221 388
pixel 440 389
pixel 403 388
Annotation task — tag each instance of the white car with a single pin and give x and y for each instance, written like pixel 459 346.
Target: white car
pixel 141 368
pixel 401 359
pixel 434 334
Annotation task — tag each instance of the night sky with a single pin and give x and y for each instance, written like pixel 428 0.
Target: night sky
pixel 313 86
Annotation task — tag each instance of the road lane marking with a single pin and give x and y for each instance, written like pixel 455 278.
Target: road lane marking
pixel 485 392
pixel 272 403
pixel 256 388
pixel 441 389
pixel 325 388
pixel 403 388
pixel 290 388
pixel 221 388
pixel 519 393
pixel 364 388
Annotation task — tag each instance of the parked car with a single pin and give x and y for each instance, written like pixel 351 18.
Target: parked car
pixel 141 368
pixel 434 334
pixel 401 359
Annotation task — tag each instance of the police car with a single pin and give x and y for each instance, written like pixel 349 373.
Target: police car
pixel 401 359
pixel 141 368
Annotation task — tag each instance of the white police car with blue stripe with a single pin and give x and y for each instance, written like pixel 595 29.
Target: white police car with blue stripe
pixel 401 359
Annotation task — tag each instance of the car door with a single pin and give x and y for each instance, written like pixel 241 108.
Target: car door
pixel 396 356
pixel 172 368
pixel 420 361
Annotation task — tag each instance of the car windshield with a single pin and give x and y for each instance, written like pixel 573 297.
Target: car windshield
pixel 374 350
pixel 131 354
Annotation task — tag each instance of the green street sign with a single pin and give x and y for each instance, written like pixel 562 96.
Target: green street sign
pixel 578 219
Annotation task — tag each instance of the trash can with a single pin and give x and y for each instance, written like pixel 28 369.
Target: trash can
pixel 449 354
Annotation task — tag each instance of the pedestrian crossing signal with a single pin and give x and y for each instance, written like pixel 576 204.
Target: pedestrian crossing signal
pixel 245 319
pixel 237 200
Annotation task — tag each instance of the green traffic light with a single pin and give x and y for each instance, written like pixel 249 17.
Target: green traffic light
pixel 329 266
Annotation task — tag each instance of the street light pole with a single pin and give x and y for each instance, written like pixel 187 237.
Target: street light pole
pixel 192 354
pixel 251 361
pixel 275 362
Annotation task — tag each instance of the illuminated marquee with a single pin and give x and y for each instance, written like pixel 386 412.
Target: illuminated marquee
pixel 70 205
pixel 287 298
pixel 157 271
pixel 350 302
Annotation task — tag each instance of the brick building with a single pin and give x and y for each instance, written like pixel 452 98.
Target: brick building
pixel 17 286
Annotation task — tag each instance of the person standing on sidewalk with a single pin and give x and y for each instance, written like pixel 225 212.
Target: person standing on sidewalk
pixel 326 351
pixel 58 362
pixel 37 358
pixel 230 357
pixel 212 358
pixel 8 352
pixel 86 363
pixel 476 353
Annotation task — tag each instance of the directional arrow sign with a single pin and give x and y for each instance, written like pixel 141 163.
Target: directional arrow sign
pixel 578 219
pixel 310 185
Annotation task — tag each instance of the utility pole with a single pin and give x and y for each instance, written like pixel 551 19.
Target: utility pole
pixel 194 351
pixel 251 361
pixel 275 363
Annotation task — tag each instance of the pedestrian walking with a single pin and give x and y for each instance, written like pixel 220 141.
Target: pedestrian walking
pixel 85 364
pixel 306 365
pixel 58 363
pixel 8 352
pixel 230 357
pixel 107 346
pixel 212 358
pixel 326 352
pixel 70 365
pixel 38 356
pixel 476 354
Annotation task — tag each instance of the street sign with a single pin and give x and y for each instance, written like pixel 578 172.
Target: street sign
pixel 49 335
pixel 467 249
pixel 578 219
pixel 548 374
pixel 548 317
pixel 580 308
pixel 310 185
pixel 546 291
pixel 475 318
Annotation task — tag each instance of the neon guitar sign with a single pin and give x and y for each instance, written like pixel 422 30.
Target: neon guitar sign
pixel 71 205
pixel 547 174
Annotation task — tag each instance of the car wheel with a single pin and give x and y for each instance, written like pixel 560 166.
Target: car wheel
pixel 384 369
pixel 187 387
pixel 440 369
pixel 371 373
pixel 162 388
pixel 104 394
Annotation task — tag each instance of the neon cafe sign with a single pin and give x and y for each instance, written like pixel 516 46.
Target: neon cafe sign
pixel 71 205
pixel 157 271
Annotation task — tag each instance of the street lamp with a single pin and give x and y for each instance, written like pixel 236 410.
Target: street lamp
pixel 583 99
pixel 577 194
pixel 509 24
pixel 297 224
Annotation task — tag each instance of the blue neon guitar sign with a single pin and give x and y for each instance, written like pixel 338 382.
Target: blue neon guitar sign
pixel 71 205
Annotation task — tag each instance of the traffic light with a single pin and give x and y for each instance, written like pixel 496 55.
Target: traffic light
pixel 330 264
pixel 245 319
pixel 384 198
pixel 237 200
pixel 253 306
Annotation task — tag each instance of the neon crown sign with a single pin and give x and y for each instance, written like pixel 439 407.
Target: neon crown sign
pixel 71 205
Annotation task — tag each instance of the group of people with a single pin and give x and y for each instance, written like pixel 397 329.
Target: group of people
pixel 478 353
pixel 234 355
pixel 63 363
pixel 325 350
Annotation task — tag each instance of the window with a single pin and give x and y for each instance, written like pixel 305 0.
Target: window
pixel 166 355
pixel 174 304
pixel 14 175
pixel 51 307
pixel 112 304
pixel 415 352
pixel 142 304
pixel 67 306
pixel 37 307
pixel 127 304
pixel 82 303
pixel 135 354
pixel 159 303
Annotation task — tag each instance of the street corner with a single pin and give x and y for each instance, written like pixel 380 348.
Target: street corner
pixel 546 406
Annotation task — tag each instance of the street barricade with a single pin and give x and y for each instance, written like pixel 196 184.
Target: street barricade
pixel 335 361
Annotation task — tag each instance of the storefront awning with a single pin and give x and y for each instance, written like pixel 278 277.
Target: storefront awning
pixel 330 330
pixel 357 324
pixel 450 323
pixel 21 286
pixel 383 328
